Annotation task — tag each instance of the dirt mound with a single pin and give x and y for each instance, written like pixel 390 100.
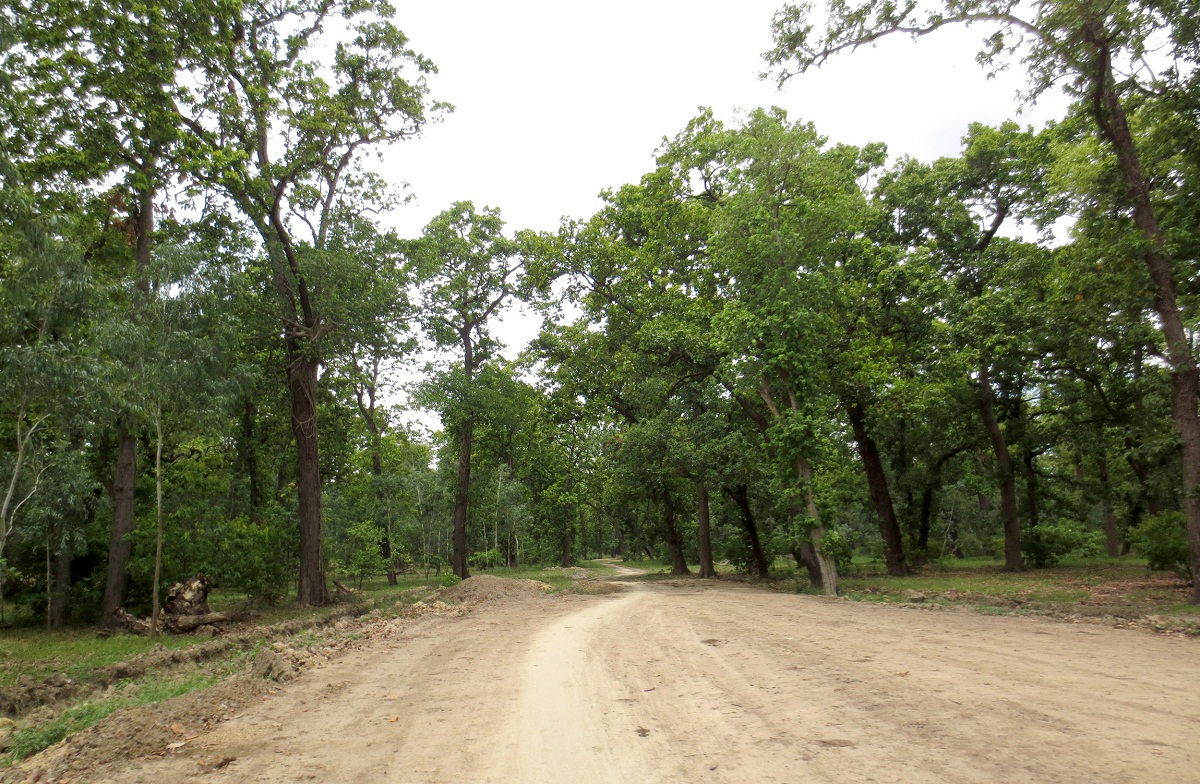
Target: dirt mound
pixel 486 588
pixel 597 587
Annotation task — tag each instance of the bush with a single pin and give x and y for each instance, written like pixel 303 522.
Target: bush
pixel 1044 545
pixel 259 559
pixel 1163 540
pixel 449 580
pixel 486 559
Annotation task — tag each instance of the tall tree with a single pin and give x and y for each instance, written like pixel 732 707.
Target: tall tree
pixel 467 269
pixel 1097 51
pixel 288 119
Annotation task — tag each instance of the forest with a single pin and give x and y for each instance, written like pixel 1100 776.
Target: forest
pixel 772 346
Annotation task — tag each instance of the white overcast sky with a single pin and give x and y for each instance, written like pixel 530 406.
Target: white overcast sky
pixel 557 100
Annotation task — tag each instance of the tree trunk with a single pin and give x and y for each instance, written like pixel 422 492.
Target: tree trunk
pixel 881 496
pixel 758 560
pixel 1185 374
pixel 1031 489
pixel 462 497
pixel 704 533
pixel 829 574
pixel 302 384
pixel 1004 468
pixel 1112 541
pixel 671 534
pixel 567 546
pixel 249 459
pixel 806 557
pixel 926 518
pixel 119 547
pixel 61 581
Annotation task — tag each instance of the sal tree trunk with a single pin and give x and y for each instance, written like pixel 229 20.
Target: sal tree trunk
pixel 462 494
pixel 1004 467
pixel 119 547
pixel 1185 375
pixel 302 386
pixel 881 496
pixel 704 533
pixel 672 537
pixel 758 560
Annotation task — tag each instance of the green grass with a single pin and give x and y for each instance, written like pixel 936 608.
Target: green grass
pixel 79 717
pixel 76 653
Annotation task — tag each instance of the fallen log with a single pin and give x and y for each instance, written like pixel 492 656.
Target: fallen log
pixel 135 625
pixel 186 623
pixel 343 589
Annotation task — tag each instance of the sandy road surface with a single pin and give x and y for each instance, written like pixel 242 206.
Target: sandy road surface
pixel 725 684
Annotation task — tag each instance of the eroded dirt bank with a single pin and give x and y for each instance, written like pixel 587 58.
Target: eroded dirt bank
pixel 718 683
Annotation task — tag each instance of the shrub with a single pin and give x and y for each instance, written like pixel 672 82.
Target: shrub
pixel 449 580
pixel 258 559
pixel 1163 540
pixel 1044 545
pixel 486 559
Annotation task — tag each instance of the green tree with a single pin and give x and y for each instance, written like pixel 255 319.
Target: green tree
pixel 468 270
pixel 1096 52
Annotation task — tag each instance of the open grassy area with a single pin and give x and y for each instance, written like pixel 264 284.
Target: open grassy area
pixel 1122 587
pixel 77 653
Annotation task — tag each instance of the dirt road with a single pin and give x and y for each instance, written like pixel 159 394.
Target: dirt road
pixel 721 683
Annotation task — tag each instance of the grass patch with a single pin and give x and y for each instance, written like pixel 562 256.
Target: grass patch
pixel 1093 586
pixel 31 740
pixel 40 653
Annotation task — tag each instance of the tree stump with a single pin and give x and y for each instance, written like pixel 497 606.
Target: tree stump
pixel 189 597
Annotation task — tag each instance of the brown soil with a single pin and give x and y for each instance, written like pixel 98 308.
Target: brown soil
pixel 487 588
pixel 691 681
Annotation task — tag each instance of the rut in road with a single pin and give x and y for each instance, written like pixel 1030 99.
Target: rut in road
pixel 722 683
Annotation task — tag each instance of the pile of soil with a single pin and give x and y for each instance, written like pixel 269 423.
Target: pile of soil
pixel 486 588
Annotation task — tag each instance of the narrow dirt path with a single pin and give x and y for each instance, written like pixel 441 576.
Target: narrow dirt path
pixel 722 683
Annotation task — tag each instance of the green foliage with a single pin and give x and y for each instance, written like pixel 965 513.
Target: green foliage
pixel 1162 539
pixel 257 559
pixel 487 559
pixel 449 580
pixel 1046 544
pixel 358 552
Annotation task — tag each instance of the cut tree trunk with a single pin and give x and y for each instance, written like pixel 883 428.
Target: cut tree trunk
pixel 881 496
pixel 181 624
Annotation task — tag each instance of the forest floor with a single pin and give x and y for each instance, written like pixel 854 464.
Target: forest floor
pixel 673 681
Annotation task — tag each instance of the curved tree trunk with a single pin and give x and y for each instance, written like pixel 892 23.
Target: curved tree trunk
pixel 758 559
pixel 1185 374
pixel 881 496
pixel 829 574
pixel 671 534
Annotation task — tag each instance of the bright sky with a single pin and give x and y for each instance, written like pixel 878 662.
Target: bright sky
pixel 557 100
